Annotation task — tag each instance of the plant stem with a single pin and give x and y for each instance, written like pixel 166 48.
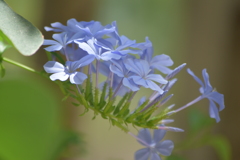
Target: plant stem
pixel 189 104
pixel 20 65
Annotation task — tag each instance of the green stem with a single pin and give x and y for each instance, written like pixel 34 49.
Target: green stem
pixel 20 65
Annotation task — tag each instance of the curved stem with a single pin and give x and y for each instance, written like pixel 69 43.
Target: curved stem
pixel 20 65
pixel 189 104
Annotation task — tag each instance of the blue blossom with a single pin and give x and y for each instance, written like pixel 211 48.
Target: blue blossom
pixel 70 29
pixel 142 76
pixel 61 41
pixel 154 145
pixel 104 68
pixel 62 73
pixel 94 29
pixel 120 45
pixel 208 92
pixel 159 62
pixel 118 67
pixel 92 48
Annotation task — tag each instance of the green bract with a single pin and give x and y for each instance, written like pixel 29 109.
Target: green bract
pixel 117 112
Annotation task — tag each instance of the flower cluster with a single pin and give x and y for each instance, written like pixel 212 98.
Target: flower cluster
pixel 127 66
pixel 130 65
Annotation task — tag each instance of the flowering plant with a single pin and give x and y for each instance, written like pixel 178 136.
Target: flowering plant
pixel 127 67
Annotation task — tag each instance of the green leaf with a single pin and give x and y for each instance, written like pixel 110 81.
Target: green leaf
pixel 198 121
pixel 2 70
pixel 24 36
pixel 30 127
pixel 222 146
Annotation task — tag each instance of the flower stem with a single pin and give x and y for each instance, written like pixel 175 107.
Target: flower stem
pixel 189 104
pixel 97 72
pixel 20 65
pixel 118 87
pixel 137 138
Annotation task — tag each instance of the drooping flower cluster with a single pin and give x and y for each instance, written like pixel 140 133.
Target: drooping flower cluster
pixel 127 66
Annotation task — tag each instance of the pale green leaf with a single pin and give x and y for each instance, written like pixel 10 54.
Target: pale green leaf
pixel 24 36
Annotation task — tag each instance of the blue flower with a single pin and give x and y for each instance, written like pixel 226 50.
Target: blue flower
pixel 62 73
pixel 154 145
pixel 92 48
pixel 118 45
pixel 61 41
pixel 118 68
pixel 209 93
pixel 159 62
pixel 142 76
pixel 59 27
pixel 94 29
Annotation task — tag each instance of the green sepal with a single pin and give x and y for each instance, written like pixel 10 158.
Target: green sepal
pixel 137 112
pixel 82 100
pixel 114 122
pixel 84 112
pixel 76 104
pixel 66 97
pixel 125 113
pixel 111 109
pixel 96 97
pixel 103 95
pixel 109 105
pixel 120 103
pixel 110 93
pixel 88 91
pixel 162 115
pixel 124 109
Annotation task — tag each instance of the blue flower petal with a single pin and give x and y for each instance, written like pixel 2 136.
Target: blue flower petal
pixel 62 76
pixel 208 87
pixel 130 84
pixel 53 67
pixel 218 98
pixel 140 81
pixel 157 78
pixel 116 70
pixel 195 77
pixel 86 47
pixel 161 63
pixel 153 86
pixel 106 56
pixel 145 135
pixel 158 135
pixel 155 156
pixel 104 31
pixel 142 154
pixel 77 77
pixel 52 48
pixel 165 147
pixel 213 111
pixel 82 62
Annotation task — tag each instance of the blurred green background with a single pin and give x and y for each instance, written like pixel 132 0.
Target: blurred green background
pixel 36 125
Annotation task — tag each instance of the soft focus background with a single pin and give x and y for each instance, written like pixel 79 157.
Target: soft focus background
pixel 36 125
